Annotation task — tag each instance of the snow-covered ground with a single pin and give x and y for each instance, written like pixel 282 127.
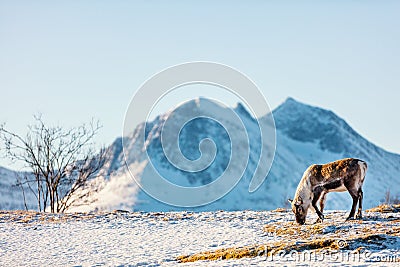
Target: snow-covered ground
pixel 153 239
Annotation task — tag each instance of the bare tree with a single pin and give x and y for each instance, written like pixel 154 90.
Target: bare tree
pixel 61 161
pixel 391 200
pixel 387 196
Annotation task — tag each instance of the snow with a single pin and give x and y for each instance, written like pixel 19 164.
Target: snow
pixel 119 192
pixel 11 196
pixel 134 238
pixel 156 239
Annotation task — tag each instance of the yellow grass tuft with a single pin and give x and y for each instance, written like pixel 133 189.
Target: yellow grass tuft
pixel 280 210
pixel 291 228
pixel 222 254
pixel 260 250
pixel 385 208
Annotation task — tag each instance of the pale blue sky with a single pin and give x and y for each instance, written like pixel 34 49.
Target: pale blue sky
pixel 73 60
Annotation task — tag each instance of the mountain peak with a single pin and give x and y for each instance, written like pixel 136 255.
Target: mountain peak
pixel 242 111
pixel 292 108
pixel 290 102
pixel 201 100
pixel 306 123
pixel 197 103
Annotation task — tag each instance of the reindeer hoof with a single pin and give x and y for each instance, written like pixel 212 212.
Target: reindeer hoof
pixel 350 218
pixel 359 217
pixel 320 219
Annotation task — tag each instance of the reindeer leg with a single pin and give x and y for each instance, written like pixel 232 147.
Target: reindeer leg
pixel 322 201
pixel 353 207
pixel 317 193
pixel 360 199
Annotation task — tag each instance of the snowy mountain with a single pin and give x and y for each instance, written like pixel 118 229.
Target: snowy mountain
pixel 305 135
pixel 11 196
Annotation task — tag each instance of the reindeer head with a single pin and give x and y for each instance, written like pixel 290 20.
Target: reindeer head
pixel 299 209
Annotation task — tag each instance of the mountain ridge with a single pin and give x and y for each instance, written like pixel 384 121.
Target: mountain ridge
pixel 305 135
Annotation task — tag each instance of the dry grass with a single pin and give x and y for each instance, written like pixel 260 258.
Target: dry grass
pixel 32 217
pixel 229 253
pixel 356 243
pixel 260 250
pixel 280 210
pixel 385 208
pixel 374 230
pixel 291 228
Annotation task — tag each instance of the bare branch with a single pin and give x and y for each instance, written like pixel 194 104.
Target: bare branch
pixel 62 161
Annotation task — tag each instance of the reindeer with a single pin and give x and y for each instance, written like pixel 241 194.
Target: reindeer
pixel 318 180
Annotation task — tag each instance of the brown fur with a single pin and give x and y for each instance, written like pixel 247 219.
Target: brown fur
pixel 344 169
